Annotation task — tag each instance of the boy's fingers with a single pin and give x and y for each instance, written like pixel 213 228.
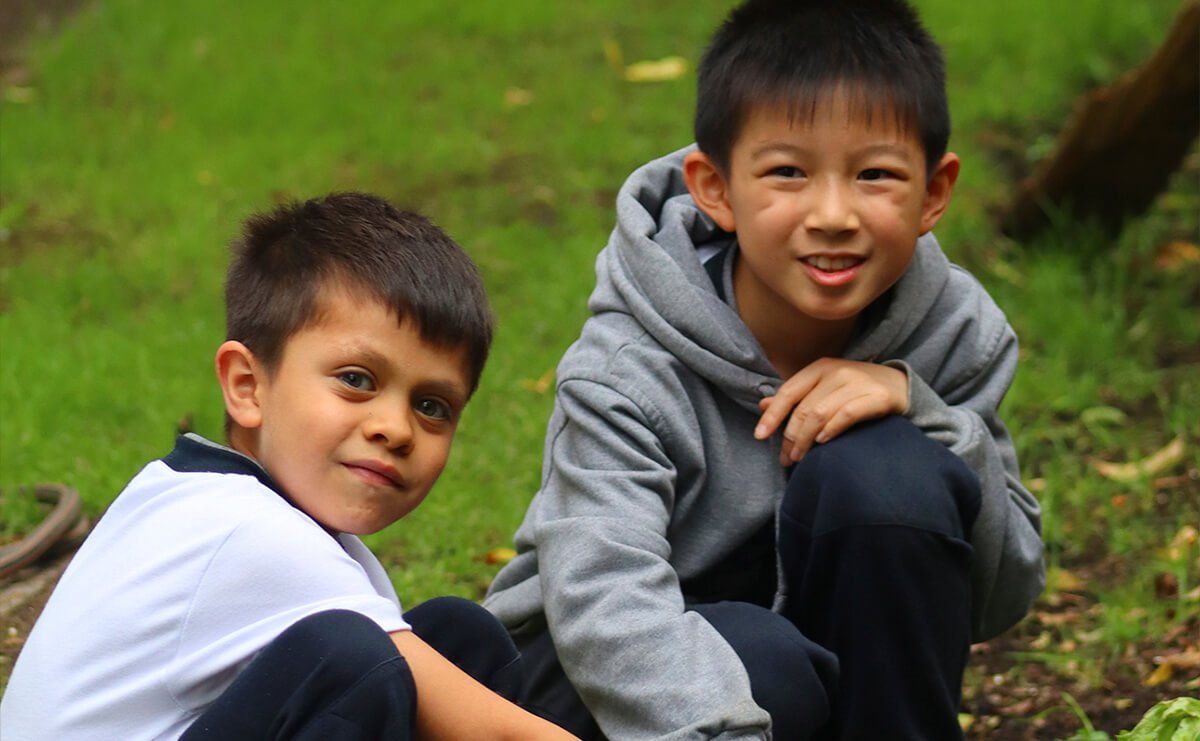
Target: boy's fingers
pixel 837 413
pixel 776 408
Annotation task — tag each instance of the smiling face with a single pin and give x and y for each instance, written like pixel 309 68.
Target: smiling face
pixel 355 423
pixel 827 213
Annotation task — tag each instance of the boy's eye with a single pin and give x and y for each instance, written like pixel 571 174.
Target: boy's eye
pixel 434 409
pixel 874 173
pixel 787 171
pixel 357 381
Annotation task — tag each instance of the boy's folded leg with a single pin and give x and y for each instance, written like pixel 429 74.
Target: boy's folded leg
pixel 873 539
pixel 473 639
pixel 332 675
pixel 791 677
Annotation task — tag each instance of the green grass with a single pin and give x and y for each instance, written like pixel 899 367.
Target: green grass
pixel 145 131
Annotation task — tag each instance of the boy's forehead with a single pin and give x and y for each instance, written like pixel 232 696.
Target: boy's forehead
pixel 362 322
pixel 842 104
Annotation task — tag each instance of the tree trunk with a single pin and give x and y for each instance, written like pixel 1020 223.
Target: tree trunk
pixel 1122 143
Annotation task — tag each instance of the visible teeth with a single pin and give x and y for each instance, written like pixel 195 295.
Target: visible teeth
pixel 831 264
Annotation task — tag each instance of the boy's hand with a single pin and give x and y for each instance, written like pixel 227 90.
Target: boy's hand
pixel 828 397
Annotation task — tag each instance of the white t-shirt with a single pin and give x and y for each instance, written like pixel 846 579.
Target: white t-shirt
pixel 184 579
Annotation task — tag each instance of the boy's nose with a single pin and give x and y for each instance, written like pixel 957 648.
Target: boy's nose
pixel 830 209
pixel 391 428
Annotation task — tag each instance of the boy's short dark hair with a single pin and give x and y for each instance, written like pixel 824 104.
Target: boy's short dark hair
pixel 793 53
pixel 284 259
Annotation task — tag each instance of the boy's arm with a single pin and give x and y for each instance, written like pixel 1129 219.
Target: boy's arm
pixel 645 666
pixel 452 705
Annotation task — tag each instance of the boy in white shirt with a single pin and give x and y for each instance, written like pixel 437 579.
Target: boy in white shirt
pixel 225 593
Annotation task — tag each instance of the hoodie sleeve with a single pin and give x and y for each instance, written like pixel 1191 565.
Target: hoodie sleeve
pixel 612 598
pixel 955 387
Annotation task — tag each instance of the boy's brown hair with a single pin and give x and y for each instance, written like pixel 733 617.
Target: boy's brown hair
pixel 284 258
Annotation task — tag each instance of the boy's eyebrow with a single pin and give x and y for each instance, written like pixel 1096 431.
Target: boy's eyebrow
pixel 785 148
pixel 768 148
pixel 448 388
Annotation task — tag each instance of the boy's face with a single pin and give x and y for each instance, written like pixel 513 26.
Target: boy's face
pixel 827 212
pixel 356 422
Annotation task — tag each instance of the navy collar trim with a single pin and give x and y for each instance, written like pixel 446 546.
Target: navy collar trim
pixel 195 454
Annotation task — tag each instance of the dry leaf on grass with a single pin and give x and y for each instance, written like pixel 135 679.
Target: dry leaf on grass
pixel 539 385
pixel 1176 255
pixel 660 70
pixel 1185 661
pixel 500 555
pixel 1171 454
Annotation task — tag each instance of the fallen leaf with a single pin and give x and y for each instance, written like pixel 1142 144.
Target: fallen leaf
pixel 1187 536
pixel 1162 674
pixel 613 55
pixel 1103 415
pixel 965 720
pixel 1061 580
pixel 539 385
pixel 500 555
pixel 659 70
pixel 1176 255
pixel 515 97
pixel 19 94
pixel 1055 619
pixel 1171 454
pixel 1184 661
pixel 1166 585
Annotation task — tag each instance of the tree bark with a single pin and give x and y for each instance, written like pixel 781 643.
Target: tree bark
pixel 1122 143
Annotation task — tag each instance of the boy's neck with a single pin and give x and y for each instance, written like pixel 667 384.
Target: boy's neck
pixel 791 349
pixel 790 339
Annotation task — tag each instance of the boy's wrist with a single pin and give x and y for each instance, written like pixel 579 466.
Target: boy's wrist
pixel 906 395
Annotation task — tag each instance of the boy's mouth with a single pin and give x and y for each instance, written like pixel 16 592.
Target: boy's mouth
pixel 829 264
pixel 375 472
pixel 832 271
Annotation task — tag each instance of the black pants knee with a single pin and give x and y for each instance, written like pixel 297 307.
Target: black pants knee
pixel 791 677
pixel 337 675
pixel 873 538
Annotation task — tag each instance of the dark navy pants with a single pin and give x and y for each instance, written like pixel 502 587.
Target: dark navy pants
pixel 875 629
pixel 337 676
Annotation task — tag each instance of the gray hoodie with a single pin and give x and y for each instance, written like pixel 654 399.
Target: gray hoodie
pixel 652 474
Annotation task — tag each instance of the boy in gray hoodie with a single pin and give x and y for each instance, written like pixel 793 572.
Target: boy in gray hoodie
pixel 776 498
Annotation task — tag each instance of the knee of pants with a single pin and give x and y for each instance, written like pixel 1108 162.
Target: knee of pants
pixel 471 638
pixel 883 472
pixel 346 644
pixel 791 677
pixel 468 618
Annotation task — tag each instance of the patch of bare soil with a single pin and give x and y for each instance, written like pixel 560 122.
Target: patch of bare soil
pixel 1012 698
pixel 22 596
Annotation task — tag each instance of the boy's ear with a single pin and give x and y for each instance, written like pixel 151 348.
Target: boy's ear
pixel 241 377
pixel 938 191
pixel 708 188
